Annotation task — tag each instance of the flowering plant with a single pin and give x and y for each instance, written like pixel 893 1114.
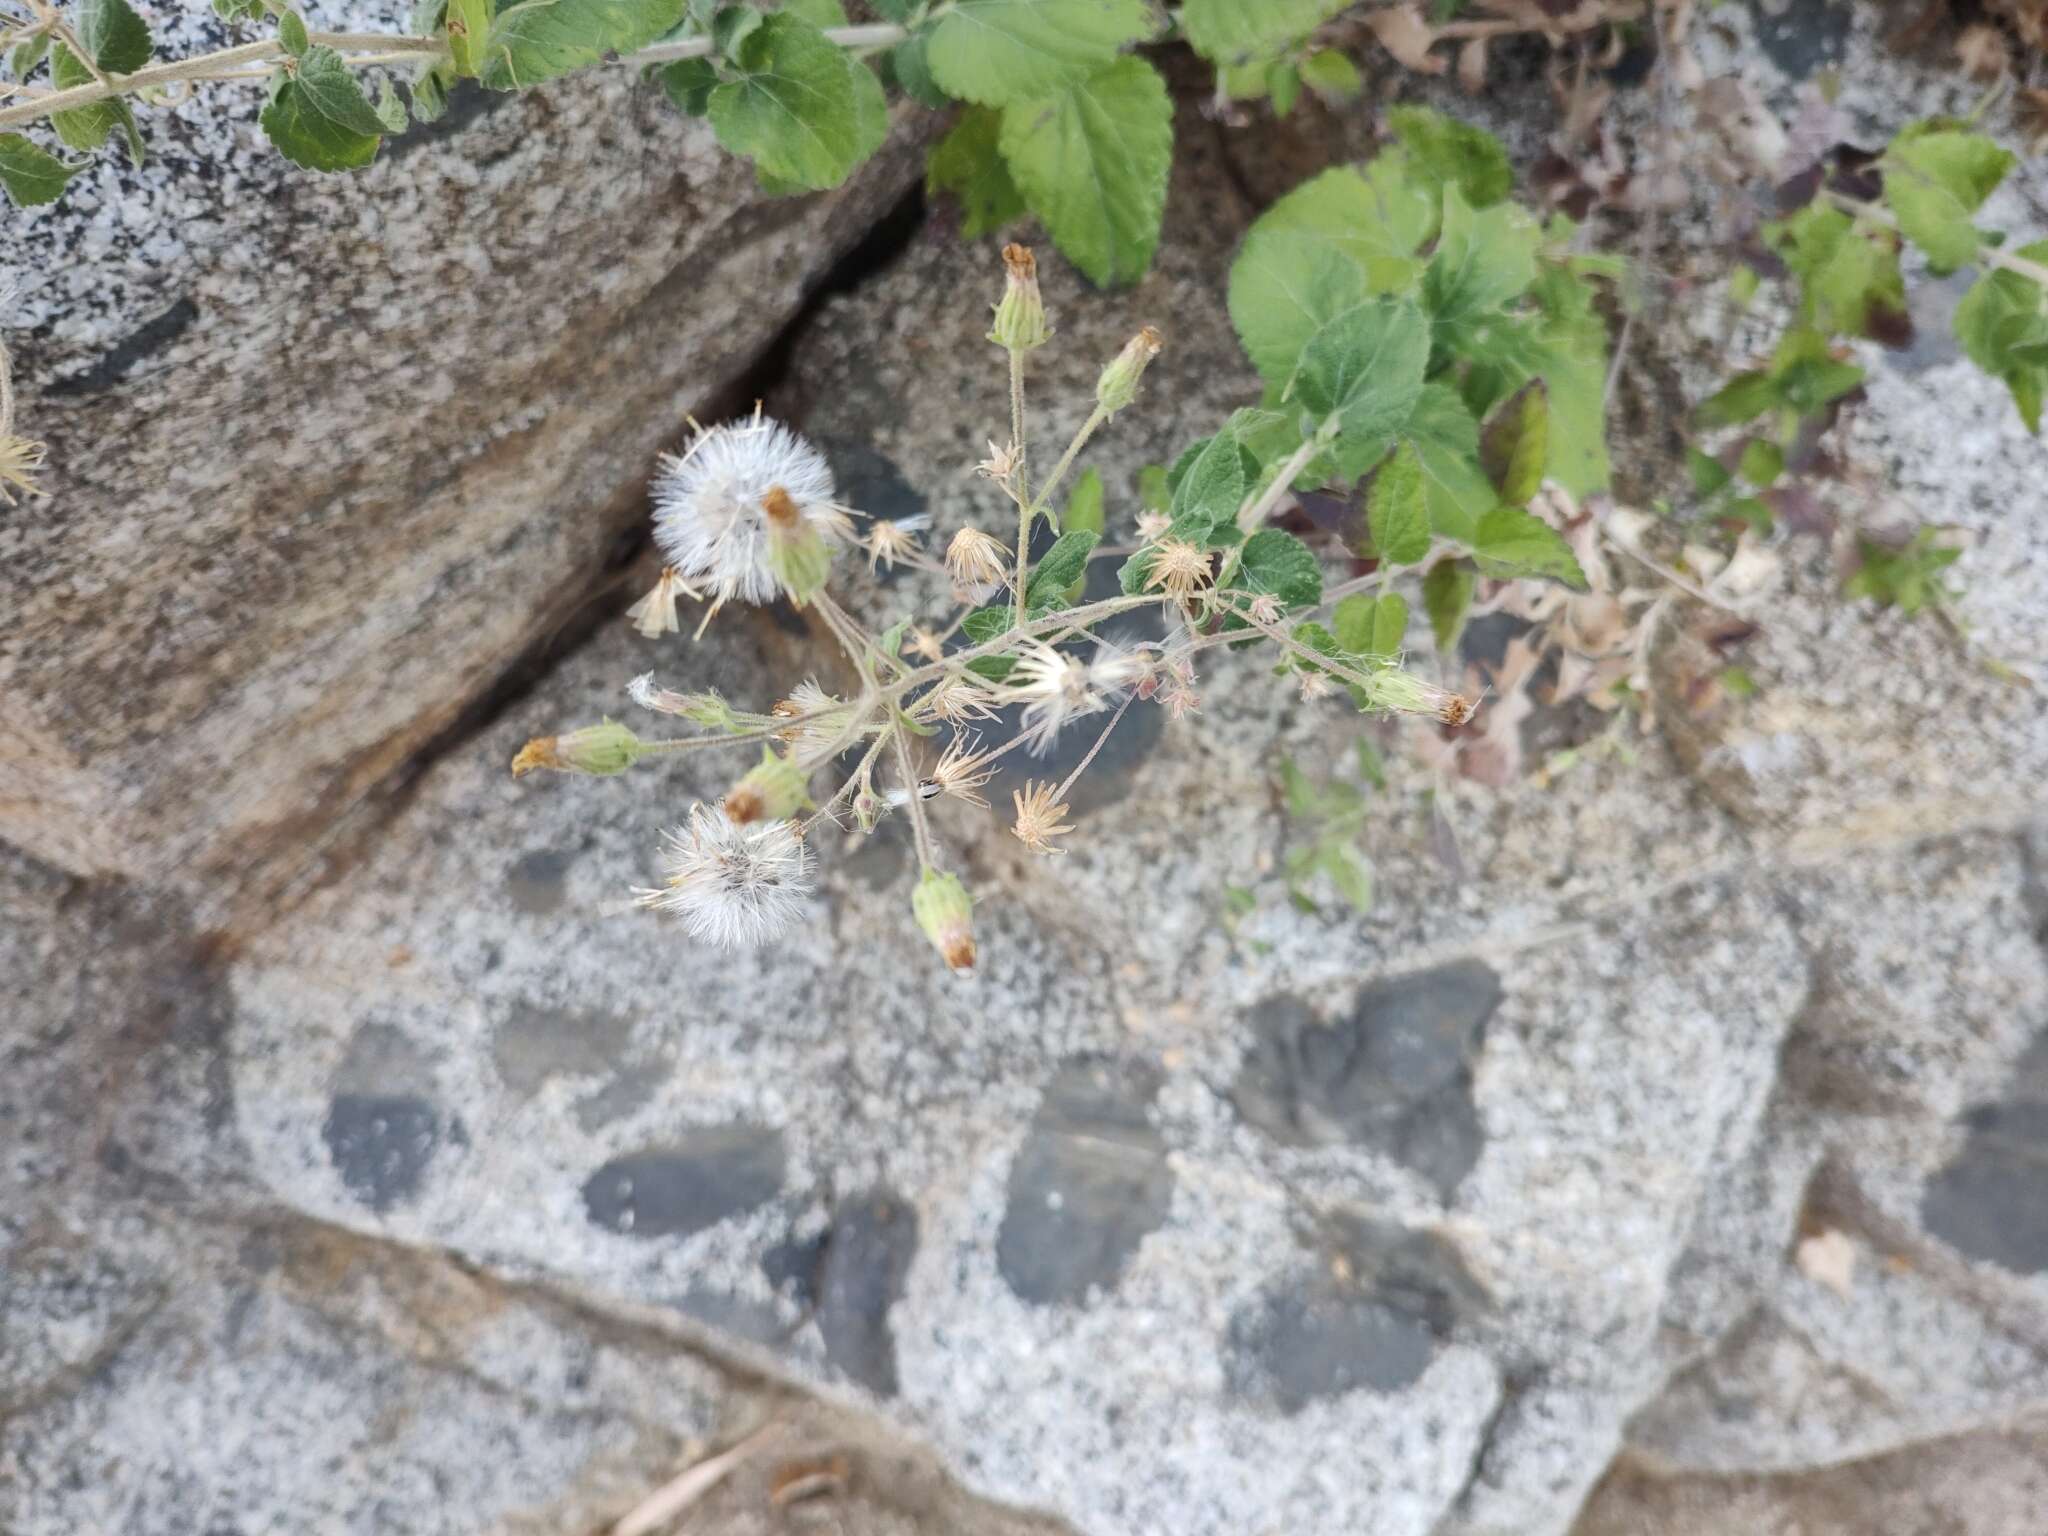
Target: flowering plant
pixel 1426 391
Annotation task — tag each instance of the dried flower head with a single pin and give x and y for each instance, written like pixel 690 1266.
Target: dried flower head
pixel 817 718
pixel 749 511
pixel 655 614
pixel 1152 525
pixel 962 770
pixel 19 461
pixel 975 560
pixel 705 709
pixel 1179 571
pixel 1039 820
pixel 1054 688
pixel 922 643
pixel 732 885
pixel 890 541
pixel 1000 464
pixel 955 699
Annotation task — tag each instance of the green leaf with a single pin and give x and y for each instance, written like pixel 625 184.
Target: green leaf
pixel 731 26
pixel 30 173
pixel 237 10
pixel 1212 488
pixel 330 88
pixel 468 24
pixel 1283 85
pixel 1847 270
pixel 1350 872
pixel 1446 441
pixel 1084 505
pixel 1368 626
pixel 113 34
pixel 1933 182
pixel 689 84
pixel 89 126
pixel 1396 512
pixel 536 40
pixel 910 60
pixel 1234 31
pixel 967 163
pixel 1514 444
pixel 2003 330
pixel 1454 154
pixel 1363 370
pixel 1154 493
pixel 1447 598
pixel 24 57
pixel 309 138
pixel 1762 462
pixel 1331 243
pixel 1483 259
pixel 1092 162
pixel 1743 398
pixel 999 51
pixel 1063 565
pixel 819 13
pixel 795 107
pixel 984 624
pixel 1512 542
pixel 1332 76
pixel 1807 373
pixel 1707 474
pixel 1280 564
pixel 291 34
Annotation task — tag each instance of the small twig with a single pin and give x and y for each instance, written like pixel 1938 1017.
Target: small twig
pixel 689 1485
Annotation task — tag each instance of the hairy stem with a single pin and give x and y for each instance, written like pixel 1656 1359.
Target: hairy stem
pixel 926 854
pixel 1989 255
pixel 1022 472
pixel 1059 471
pixel 384 48
pixel 1256 512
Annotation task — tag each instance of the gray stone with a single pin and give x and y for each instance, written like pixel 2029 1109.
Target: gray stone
pixel 534 1045
pixel 1803 37
pixel 1394 1073
pixel 381 1144
pixel 867 1253
pixel 1988 1201
pixel 1369 1312
pixel 411 505
pixel 701 1179
pixel 1090 1182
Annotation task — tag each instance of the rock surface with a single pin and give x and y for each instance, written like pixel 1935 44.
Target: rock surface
pixel 1658 1162
pixel 329 454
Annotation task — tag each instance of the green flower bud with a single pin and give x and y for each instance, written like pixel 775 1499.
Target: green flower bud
pixel 1020 317
pixel 773 790
pixel 600 749
pixel 945 913
pixel 1403 693
pixel 799 560
pixel 1118 386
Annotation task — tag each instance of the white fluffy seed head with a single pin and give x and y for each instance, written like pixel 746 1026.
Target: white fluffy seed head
pixel 718 516
pixel 732 885
pixel 1054 687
